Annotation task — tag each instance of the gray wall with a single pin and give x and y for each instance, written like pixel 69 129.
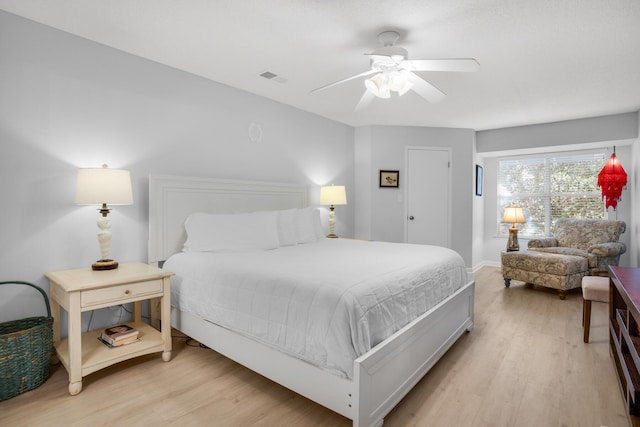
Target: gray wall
pixel 634 188
pixel 67 103
pixel 580 131
pixel 589 133
pixel 380 213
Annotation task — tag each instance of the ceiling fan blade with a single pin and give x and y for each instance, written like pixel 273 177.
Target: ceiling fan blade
pixel 424 88
pixel 366 73
pixel 459 64
pixel 365 100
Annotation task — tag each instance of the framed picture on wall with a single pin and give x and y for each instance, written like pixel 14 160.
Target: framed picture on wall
pixel 479 180
pixel 389 179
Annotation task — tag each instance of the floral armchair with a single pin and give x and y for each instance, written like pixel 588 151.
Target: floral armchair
pixel 594 239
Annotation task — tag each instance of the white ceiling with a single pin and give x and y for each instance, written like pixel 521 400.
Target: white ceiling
pixel 540 60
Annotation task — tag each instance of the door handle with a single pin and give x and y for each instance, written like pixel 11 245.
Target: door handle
pixel 411 218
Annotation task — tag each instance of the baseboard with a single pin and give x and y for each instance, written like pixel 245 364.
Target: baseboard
pixel 484 264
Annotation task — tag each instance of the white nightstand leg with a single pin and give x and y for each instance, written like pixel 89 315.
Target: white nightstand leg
pixel 75 344
pixel 165 307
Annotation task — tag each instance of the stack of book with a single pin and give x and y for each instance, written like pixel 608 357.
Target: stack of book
pixel 119 335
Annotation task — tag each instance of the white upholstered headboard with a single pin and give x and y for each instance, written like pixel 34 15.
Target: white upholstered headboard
pixel 173 198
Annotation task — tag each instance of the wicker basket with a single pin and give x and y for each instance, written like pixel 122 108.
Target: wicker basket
pixel 25 351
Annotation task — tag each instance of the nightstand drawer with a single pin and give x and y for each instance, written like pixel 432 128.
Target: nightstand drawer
pixel 129 291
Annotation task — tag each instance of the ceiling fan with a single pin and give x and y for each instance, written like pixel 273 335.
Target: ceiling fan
pixel 394 72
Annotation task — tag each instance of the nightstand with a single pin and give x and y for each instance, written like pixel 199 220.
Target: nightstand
pixel 83 290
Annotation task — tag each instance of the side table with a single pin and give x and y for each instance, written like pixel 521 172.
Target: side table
pixel 83 290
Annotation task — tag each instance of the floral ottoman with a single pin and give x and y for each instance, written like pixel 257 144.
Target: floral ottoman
pixel 557 271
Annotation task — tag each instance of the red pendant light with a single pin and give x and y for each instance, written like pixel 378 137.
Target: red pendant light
pixel 612 178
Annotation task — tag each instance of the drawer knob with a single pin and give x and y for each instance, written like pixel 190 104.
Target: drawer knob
pixel 127 292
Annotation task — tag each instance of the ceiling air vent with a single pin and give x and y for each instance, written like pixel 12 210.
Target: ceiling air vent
pixel 273 76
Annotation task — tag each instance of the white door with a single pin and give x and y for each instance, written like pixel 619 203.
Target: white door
pixel 428 196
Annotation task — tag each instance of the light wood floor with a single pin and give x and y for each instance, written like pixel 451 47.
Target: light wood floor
pixel 524 364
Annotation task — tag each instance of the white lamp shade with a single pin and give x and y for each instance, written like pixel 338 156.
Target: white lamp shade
pixel 514 215
pixel 333 195
pixel 95 186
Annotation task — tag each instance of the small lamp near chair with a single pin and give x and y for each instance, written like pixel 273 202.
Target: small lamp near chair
pixel 333 195
pixel 514 215
pixel 102 187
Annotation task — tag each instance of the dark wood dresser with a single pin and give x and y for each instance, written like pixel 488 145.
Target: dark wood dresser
pixel 624 334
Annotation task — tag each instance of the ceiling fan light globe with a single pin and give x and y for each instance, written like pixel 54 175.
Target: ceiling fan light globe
pixel 399 83
pixel 371 86
pixel 378 86
pixel 396 81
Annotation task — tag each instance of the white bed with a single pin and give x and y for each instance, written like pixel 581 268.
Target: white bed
pixel 376 381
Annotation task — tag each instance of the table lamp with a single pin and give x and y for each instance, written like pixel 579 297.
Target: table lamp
pixel 104 186
pixel 333 195
pixel 514 215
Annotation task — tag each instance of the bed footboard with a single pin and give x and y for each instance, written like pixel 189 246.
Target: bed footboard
pixel 382 377
pixel 389 371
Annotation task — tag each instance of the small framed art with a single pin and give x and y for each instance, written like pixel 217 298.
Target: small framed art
pixel 478 180
pixel 389 179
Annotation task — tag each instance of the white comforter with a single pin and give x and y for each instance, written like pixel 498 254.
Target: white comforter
pixel 326 302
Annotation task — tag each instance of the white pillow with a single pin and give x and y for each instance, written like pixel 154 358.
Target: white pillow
pixel 317 224
pixel 231 232
pixel 306 227
pixel 288 227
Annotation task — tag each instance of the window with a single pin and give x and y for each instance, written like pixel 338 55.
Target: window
pixel 548 187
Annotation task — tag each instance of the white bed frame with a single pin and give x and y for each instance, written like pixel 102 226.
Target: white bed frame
pixel 382 377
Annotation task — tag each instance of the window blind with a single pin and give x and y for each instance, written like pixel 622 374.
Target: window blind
pixel 549 187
